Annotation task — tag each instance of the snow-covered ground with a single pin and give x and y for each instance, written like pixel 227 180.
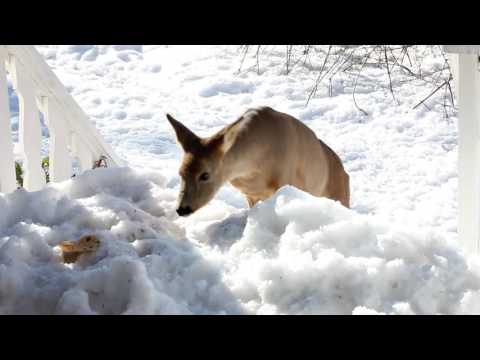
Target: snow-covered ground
pixel 394 252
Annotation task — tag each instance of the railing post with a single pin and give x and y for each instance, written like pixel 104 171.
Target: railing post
pixel 8 181
pixel 60 163
pixel 469 151
pixel 29 128
pixel 84 155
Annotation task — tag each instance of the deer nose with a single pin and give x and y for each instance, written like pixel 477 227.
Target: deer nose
pixel 184 210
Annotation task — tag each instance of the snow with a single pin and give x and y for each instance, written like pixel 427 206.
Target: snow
pixel 394 252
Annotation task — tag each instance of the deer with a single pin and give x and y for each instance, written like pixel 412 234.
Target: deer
pixel 260 152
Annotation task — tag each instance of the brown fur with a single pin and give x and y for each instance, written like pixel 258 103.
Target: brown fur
pixel 259 153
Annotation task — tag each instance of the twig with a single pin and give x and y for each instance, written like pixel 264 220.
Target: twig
pixel 289 56
pixel 243 58
pixel 98 163
pixel 451 92
pixel 356 81
pixel 314 90
pixel 450 77
pixel 389 76
pixel 430 95
pixel 258 60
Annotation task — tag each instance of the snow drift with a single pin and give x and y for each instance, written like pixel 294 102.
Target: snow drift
pixel 291 254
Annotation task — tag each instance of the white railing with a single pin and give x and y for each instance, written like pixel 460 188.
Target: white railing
pixel 465 65
pixel 71 132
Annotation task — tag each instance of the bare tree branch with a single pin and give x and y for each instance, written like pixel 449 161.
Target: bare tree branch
pixel 402 64
pixel 314 90
pixel 389 75
pixel 356 81
pixel 430 95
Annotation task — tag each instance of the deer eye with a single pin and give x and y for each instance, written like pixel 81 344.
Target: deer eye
pixel 204 176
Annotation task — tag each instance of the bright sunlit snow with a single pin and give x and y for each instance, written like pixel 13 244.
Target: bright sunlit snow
pixel 394 252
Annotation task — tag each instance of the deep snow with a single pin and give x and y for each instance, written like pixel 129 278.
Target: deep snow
pixel 292 254
pixel 395 252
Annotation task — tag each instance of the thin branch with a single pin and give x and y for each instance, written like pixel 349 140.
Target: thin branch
pixel 289 56
pixel 314 90
pixel 247 47
pixel 258 60
pixel 451 92
pixel 431 94
pixel 389 75
pixel 356 81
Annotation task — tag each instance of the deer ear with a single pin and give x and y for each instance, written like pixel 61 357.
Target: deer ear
pixel 228 140
pixel 234 132
pixel 187 139
pixel 224 141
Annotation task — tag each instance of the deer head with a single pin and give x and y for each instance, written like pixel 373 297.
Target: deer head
pixel 202 170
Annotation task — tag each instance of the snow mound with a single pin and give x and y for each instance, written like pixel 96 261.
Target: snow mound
pixel 291 254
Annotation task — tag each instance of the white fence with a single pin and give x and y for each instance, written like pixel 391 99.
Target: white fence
pixel 71 132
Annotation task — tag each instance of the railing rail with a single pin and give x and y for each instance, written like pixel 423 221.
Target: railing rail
pixel 39 90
